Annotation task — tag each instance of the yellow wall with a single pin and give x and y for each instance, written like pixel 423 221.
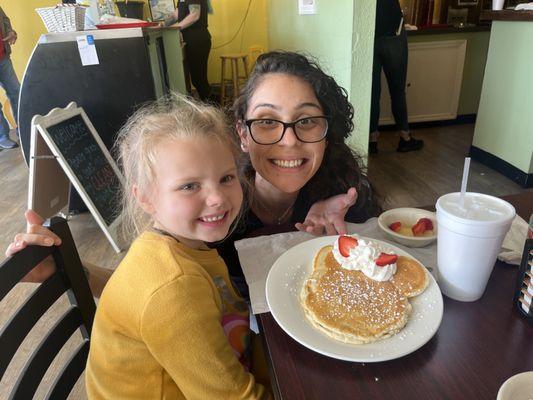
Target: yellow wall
pixel 222 24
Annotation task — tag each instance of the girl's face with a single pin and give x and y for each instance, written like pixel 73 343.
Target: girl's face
pixel 196 195
pixel 289 164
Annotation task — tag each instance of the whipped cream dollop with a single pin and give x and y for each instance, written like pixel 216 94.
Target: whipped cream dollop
pixel 363 258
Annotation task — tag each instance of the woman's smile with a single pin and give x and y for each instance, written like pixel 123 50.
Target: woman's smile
pixel 288 163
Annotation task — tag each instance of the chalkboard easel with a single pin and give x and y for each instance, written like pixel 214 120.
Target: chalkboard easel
pixel 65 148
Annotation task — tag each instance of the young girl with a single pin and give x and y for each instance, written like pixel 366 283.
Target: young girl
pixel 169 323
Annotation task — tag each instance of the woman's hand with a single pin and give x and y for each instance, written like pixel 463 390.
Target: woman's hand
pixel 328 215
pixel 36 234
pixel 11 38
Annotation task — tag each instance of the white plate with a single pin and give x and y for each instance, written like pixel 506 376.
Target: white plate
pixel 283 286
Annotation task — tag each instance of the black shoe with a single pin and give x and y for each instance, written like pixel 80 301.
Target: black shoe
pixel 372 147
pixel 7 143
pixel 409 145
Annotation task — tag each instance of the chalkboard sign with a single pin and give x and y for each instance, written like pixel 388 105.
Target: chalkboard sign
pixel 85 160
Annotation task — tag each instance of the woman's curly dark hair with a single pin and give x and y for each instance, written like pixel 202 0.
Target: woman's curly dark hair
pixel 341 167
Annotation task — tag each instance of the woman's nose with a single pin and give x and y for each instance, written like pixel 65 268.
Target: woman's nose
pixel 289 137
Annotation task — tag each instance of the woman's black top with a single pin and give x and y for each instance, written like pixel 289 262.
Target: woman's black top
pixel 199 28
pixel 388 17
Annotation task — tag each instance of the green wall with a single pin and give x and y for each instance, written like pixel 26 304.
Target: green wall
pixel 475 59
pixel 364 16
pixel 340 36
pixel 504 124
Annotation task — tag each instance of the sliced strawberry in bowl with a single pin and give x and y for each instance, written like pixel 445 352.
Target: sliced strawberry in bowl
pixel 427 222
pixel 386 259
pixel 395 226
pixel 346 243
pixel 419 228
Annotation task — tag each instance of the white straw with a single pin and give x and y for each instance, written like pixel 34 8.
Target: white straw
pixel 464 182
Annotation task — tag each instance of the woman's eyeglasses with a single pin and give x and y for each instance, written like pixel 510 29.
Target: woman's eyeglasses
pixel 270 131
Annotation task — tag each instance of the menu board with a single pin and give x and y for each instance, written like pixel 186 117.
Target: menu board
pixel 90 165
pixel 85 160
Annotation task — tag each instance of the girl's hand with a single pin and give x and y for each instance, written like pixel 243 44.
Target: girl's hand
pixel 36 234
pixel 328 215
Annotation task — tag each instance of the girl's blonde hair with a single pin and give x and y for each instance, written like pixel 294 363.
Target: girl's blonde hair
pixel 171 117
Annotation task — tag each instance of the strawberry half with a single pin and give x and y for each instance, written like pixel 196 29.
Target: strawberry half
pixel 395 226
pixel 386 259
pixel 419 228
pixel 345 244
pixel 427 222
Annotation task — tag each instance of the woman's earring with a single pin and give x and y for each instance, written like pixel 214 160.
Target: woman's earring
pixel 243 146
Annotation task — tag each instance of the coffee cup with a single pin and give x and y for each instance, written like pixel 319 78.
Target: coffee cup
pixel 468 242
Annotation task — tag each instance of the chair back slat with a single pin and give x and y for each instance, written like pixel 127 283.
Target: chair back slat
pixel 70 374
pixel 27 315
pixel 45 353
pixel 14 268
pixel 68 260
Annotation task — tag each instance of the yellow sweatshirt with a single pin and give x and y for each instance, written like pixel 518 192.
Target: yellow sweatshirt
pixel 164 325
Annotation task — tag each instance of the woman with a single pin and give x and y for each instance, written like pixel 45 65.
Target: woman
pixel 191 18
pixel 293 169
pixel 292 120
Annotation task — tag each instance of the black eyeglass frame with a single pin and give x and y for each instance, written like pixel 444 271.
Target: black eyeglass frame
pixel 286 125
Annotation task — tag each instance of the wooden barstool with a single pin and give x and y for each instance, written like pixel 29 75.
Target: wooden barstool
pixel 236 78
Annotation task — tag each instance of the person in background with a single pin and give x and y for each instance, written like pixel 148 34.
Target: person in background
pixel 191 18
pixel 390 53
pixel 8 78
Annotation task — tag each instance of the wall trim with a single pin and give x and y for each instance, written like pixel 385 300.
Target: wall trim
pixel 461 119
pixel 503 167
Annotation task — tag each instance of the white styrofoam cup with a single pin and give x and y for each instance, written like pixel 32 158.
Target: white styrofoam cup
pixel 467 248
pixel 497 4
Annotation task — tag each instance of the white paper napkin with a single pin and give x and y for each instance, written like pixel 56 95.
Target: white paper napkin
pixel 513 243
pixel 257 255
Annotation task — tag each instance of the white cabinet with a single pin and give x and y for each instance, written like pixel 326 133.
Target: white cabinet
pixel 434 77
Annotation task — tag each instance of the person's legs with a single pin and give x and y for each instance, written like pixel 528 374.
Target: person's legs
pixel 198 54
pixel 374 101
pixel 10 83
pixel 395 68
pixel 395 55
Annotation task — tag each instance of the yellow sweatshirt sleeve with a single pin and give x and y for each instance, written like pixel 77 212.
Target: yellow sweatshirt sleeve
pixel 181 325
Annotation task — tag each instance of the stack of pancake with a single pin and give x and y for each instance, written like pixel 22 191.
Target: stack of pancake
pixel 348 306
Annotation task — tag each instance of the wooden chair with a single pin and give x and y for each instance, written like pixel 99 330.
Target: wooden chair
pixel 236 78
pixel 69 278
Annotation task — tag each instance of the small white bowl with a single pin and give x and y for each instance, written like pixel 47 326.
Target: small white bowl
pixel 517 387
pixel 407 216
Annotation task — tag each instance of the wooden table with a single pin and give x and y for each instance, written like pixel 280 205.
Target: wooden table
pixel 477 347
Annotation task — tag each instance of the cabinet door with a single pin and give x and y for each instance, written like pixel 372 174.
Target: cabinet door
pixel 434 77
